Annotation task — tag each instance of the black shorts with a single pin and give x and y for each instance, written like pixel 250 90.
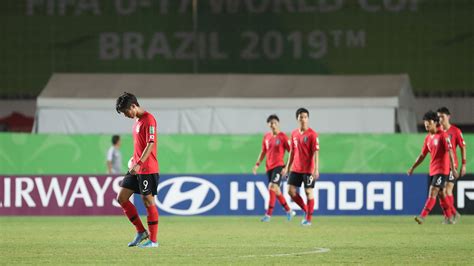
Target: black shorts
pixel 141 184
pixel 274 175
pixel 296 179
pixel 451 177
pixel 438 181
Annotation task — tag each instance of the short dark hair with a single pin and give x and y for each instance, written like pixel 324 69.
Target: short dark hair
pixel 300 111
pixel 444 110
pixel 125 101
pixel 273 117
pixel 115 139
pixel 430 115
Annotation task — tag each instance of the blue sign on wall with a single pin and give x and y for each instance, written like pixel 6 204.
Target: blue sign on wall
pixel 335 194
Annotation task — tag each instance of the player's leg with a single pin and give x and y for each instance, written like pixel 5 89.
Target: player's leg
pixel 272 199
pixel 443 207
pixel 129 209
pixel 272 195
pixel 289 212
pixel 279 196
pixel 128 185
pixel 429 204
pixel 148 184
pixel 309 205
pixel 152 220
pixel 275 185
pixel 294 181
pixel 281 199
pixel 450 197
pixel 443 202
pixel 437 184
pixel 309 183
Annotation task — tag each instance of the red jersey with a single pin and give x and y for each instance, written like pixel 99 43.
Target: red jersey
pixel 274 148
pixel 456 138
pixel 144 131
pixel 438 146
pixel 303 147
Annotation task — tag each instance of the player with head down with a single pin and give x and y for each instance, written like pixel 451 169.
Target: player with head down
pixel 143 176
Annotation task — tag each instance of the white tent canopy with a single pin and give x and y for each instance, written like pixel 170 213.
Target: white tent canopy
pixel 227 103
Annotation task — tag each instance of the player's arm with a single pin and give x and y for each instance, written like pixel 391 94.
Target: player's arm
pixel 289 163
pixel 462 146
pixel 315 148
pixel 451 163
pixel 316 165
pixel 261 155
pixel 259 160
pixel 462 171
pixel 146 153
pixel 287 144
pixel 418 161
pixel 451 156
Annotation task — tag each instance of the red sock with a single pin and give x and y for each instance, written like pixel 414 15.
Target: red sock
pixel 152 220
pixel 430 203
pixel 132 214
pixel 446 206
pixel 309 214
pixel 451 203
pixel 271 203
pixel 299 200
pixel 283 203
pixel 442 203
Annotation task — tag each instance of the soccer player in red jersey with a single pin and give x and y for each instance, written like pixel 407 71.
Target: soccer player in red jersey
pixel 457 140
pixel 143 177
pixel 303 164
pixel 274 145
pixel 438 145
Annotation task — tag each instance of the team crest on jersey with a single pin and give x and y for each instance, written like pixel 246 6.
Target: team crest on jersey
pixel 435 142
pixel 277 142
pixel 305 139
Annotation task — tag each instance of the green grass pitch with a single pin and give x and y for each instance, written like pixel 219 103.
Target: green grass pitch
pixel 238 240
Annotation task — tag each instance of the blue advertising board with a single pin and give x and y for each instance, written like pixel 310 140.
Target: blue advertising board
pixel 335 194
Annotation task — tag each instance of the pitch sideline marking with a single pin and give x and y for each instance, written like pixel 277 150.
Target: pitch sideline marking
pixel 315 251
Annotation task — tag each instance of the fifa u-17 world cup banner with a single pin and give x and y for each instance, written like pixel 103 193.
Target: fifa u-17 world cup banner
pixel 232 194
pixel 238 36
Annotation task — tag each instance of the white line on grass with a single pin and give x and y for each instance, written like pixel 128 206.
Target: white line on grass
pixel 315 251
